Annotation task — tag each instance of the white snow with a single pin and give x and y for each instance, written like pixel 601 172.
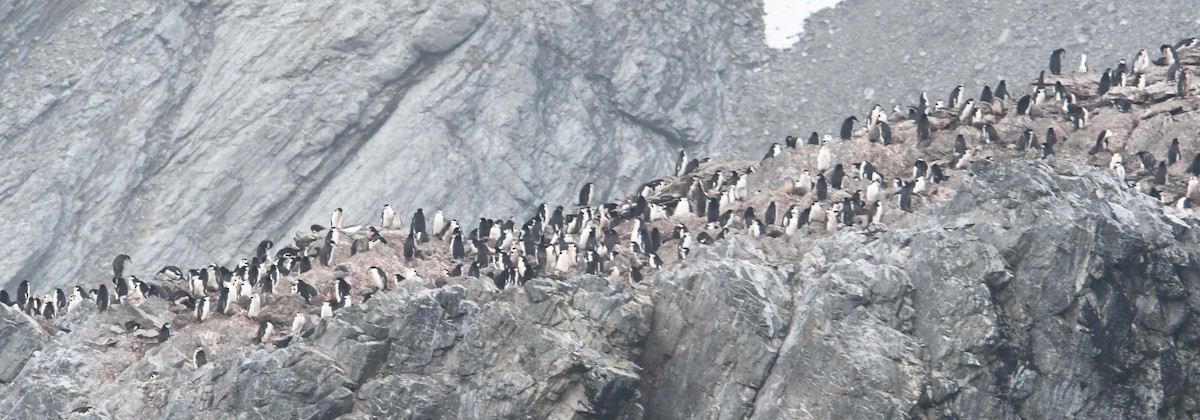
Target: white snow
pixel 784 19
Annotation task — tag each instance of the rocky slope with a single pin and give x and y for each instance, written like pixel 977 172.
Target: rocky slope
pixel 1028 284
pixel 169 130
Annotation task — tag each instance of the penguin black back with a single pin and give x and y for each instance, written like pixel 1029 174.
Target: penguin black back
pixel 848 127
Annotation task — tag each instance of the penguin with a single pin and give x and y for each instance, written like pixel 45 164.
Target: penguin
pixel 848 127
pixel 774 151
pixel 49 311
pixel 200 357
pixel 335 220
pixel 1051 137
pixel 923 127
pixel 1146 159
pixel 410 246
pixel 305 290
pixel 1193 187
pixel 1141 62
pixel 1023 107
pixel 1105 82
pixel 821 189
pixel 986 95
pixel 418 225
pixel 769 214
pixel 255 306
pixel 874 191
pixel 712 211
pixel 457 250
pixel 920 168
pixel 990 135
pixel 1056 58
pixel 298 324
pixel 102 298
pixel 343 289
pixel 1194 168
pixel 1160 174
pixel 813 139
pixel 1025 140
pixel 118 265
pixel 965 160
pixel 1101 142
pixel 960 145
pixel 956 97
pixel 1047 150
pixel 1083 68
pixel 836 176
pixel 824 157
pixel 439 224
pixel 681 163
pixel 326 309
pixel 1001 90
pixel 1184 85
pixel 266 330
pixel 802 184
pixel 164 333
pixel 585 195
pixel 885 133
pixel 378 278
pixel 966 111
pixel 906 199
pixel 23 292
pixel 203 309
pixel 223 303
pixel 790 141
pixel 388 218
pixel 1173 153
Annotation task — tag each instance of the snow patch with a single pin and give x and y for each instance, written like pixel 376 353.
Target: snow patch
pixel 784 19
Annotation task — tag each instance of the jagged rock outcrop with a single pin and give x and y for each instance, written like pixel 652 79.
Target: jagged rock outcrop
pixel 1038 290
pixel 169 130
pixel 553 349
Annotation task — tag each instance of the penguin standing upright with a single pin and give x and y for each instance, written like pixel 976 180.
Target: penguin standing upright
pixel 255 306
pixel 388 219
pixel 203 309
pixel 418 225
pixel 335 220
pixel 956 97
pixel 102 298
pixel 824 157
pixel 1056 58
pixel 1173 152
pixel 1184 85
pixel 681 163
pixel 410 246
pixel 118 265
pixel 848 127
pixel 439 224
pixel 585 194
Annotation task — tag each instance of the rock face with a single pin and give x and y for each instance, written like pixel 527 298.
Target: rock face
pixel 170 129
pixel 566 347
pixel 1040 290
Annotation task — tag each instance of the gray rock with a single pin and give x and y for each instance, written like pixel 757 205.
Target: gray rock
pixel 20 337
pixel 159 122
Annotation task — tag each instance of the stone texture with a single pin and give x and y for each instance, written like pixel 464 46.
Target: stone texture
pixel 170 129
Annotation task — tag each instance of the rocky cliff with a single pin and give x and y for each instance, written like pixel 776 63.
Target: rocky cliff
pixel 1023 281
pixel 169 130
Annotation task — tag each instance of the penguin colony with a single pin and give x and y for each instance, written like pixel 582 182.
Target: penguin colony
pixel 840 184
